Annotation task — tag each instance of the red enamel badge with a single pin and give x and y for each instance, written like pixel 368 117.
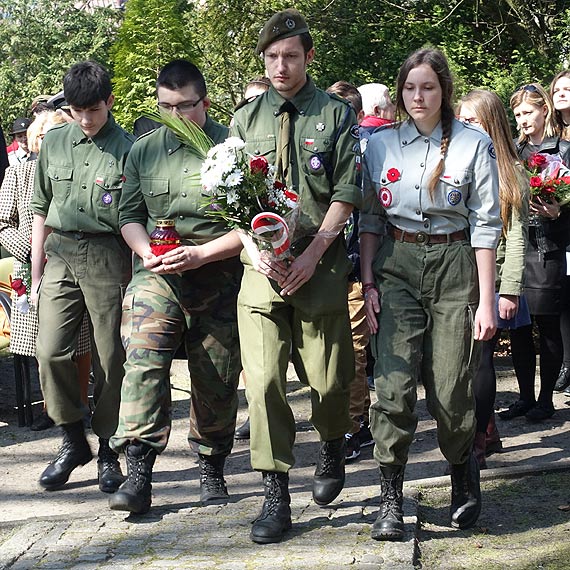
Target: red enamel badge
pixel 393 174
pixel 385 197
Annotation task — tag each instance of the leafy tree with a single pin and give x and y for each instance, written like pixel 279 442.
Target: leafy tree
pixel 153 33
pixel 39 41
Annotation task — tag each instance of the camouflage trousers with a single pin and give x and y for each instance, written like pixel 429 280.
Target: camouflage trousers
pixel 159 314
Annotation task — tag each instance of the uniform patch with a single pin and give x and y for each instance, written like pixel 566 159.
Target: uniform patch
pixel 99 180
pixel 385 197
pixel 320 127
pixel 393 174
pixel 309 141
pixel 454 197
pixel 290 23
pixel 491 150
pixel 106 198
pixel 315 162
pixel 355 131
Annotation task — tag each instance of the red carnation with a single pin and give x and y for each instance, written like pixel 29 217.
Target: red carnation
pixel 19 286
pixel 393 174
pixel 291 195
pixel 259 164
pixel 537 160
pixel 278 185
pixel 535 181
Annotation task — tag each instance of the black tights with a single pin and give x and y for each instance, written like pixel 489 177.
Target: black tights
pixel 485 383
pixel 565 323
pixel 524 358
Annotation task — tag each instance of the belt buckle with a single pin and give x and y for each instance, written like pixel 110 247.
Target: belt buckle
pixel 422 238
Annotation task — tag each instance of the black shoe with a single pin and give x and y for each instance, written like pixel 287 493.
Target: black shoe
pixel 352 446
pixel 275 517
pixel 213 490
pixel 365 435
pixel 563 379
pixel 134 494
pixel 74 451
pixel 329 474
pixel 390 522
pixel 465 494
pixel 519 408
pixel 42 422
pixel 539 413
pixel 109 471
pixel 242 432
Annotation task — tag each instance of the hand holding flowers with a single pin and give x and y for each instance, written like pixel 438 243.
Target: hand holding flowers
pixel 549 182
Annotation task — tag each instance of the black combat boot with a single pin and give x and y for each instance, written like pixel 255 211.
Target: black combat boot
pixel 390 522
pixel 108 468
pixel 243 431
pixel 275 517
pixel 213 490
pixel 134 494
pixel 465 494
pixel 74 451
pixel 329 474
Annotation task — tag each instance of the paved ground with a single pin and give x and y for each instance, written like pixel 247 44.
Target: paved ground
pixel 73 528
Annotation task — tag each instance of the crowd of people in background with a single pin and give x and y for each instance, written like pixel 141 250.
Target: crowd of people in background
pixel 421 246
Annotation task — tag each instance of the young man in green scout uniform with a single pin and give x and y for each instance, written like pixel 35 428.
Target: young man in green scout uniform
pixel 78 183
pixel 299 306
pixel 187 295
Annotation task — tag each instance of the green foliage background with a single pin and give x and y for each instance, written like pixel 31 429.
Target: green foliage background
pixel 496 44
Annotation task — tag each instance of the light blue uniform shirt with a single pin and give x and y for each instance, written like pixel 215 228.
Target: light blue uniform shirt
pixel 398 163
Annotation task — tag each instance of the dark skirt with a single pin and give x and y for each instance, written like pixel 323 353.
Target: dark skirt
pixel 544 281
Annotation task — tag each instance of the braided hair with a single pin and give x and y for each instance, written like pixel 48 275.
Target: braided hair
pixel 438 62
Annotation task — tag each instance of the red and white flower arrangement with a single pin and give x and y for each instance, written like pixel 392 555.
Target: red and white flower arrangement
pixel 549 178
pixel 22 285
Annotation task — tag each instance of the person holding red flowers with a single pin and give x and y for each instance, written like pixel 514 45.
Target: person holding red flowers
pixel 545 261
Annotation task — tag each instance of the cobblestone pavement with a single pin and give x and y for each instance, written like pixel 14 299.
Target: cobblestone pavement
pixel 73 527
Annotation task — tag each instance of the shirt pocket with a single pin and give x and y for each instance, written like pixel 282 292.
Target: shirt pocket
pixel 259 146
pixel 156 192
pixel 315 155
pixel 108 189
pixel 61 178
pixel 388 186
pixel 453 188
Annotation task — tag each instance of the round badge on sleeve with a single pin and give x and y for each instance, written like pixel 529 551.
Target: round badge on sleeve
pixel 491 150
pixel 315 162
pixel 355 132
pixel 454 197
pixel 385 197
pixel 106 198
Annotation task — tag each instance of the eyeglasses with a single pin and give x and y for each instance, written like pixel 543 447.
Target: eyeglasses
pixel 469 120
pixel 183 107
pixel 528 87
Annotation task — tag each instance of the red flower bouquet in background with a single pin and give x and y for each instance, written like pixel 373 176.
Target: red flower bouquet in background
pixel 22 286
pixel 549 178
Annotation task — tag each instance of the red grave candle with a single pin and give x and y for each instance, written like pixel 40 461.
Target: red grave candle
pixel 164 237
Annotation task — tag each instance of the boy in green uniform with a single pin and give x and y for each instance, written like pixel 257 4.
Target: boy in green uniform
pixel 299 307
pixel 78 183
pixel 187 295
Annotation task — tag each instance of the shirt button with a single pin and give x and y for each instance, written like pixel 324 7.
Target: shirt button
pixel 89 141
pixel 422 164
pixel 185 171
pixel 181 217
pixel 426 140
pixel 183 194
pixel 275 113
pixel 56 177
pixel 456 181
pixel 426 225
pixel 151 193
pixel 81 209
pixel 257 151
pixel 417 186
pixel 418 212
pixel 84 186
pixel 383 181
pixel 404 143
pixel 86 163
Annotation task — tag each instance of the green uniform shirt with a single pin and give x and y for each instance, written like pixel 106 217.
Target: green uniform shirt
pixel 324 137
pixel 163 182
pixel 79 179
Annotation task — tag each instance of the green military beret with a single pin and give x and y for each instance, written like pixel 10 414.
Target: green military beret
pixel 285 24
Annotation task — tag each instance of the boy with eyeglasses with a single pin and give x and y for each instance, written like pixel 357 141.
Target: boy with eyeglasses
pixel 78 183
pixel 186 296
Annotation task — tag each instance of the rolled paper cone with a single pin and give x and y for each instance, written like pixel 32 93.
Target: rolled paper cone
pixel 266 222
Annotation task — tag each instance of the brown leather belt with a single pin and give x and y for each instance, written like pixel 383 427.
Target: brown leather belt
pixel 423 238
